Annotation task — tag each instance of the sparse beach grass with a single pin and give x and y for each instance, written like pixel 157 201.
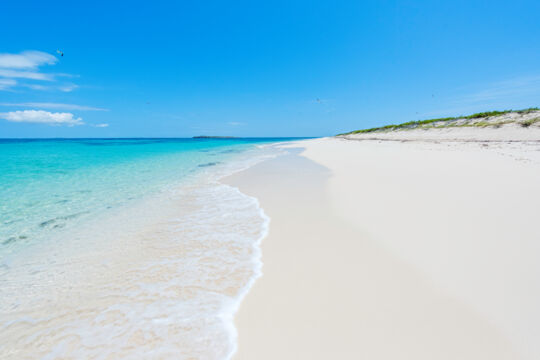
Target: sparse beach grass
pixel 530 122
pixel 483 119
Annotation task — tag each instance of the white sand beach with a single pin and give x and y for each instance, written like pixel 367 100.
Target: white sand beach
pixel 291 180
pixel 397 250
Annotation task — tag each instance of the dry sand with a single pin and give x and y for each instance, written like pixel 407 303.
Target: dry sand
pixel 391 250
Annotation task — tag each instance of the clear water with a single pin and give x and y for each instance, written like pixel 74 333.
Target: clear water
pixel 46 184
pixel 125 248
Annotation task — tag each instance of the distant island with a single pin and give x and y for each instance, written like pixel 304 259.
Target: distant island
pixel 214 137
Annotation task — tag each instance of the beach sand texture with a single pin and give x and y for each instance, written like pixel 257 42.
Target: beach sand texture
pixel 396 250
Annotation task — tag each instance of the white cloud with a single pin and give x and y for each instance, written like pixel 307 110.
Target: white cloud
pixel 235 123
pixel 36 86
pixel 68 87
pixel 60 106
pixel 33 75
pixel 26 60
pixel 7 83
pixel 41 117
pixel 101 125
pixel 64 88
pixel 26 66
pixel 67 75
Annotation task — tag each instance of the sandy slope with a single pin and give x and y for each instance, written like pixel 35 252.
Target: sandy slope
pixel 512 126
pixel 390 250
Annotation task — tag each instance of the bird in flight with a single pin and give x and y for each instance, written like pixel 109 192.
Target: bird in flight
pixel 60 52
pixel 318 100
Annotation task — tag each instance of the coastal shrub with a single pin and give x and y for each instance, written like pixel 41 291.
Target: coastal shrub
pixel 414 124
pixel 529 122
pixel 526 111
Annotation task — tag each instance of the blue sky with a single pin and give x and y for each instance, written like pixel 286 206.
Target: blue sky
pixel 184 68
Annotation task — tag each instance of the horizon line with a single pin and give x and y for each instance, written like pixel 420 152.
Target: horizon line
pixel 172 138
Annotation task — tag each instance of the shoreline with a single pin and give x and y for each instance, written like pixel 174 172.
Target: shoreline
pixel 160 276
pixel 362 255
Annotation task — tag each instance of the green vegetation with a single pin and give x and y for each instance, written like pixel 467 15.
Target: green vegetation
pixel 529 122
pixel 422 123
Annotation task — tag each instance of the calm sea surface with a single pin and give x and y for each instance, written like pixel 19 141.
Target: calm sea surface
pixel 47 184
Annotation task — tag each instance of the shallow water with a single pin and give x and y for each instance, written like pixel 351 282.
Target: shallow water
pixel 125 248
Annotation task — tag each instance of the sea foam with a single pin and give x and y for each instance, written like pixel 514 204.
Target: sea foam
pixel 158 278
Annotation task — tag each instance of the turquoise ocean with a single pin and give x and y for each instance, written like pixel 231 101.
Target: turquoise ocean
pixel 122 248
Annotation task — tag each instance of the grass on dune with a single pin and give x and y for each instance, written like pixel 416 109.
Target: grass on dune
pixel 529 122
pixel 412 124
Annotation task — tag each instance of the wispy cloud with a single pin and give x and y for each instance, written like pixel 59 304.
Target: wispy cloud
pixel 53 87
pixel 512 93
pixel 41 117
pixel 235 123
pixel 17 74
pixel 59 106
pixel 100 125
pixel 510 88
pixel 68 87
pixel 7 83
pixel 26 67
pixel 26 60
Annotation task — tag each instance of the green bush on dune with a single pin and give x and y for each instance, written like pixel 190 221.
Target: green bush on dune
pixel 529 122
pixel 413 124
